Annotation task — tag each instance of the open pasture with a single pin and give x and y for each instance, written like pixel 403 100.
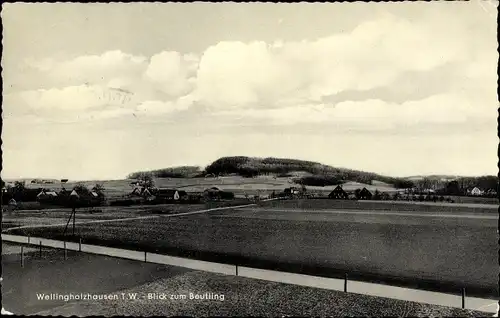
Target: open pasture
pixel 436 207
pixel 442 252
pixel 61 215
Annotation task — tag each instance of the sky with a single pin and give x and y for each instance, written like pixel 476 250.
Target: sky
pixel 96 91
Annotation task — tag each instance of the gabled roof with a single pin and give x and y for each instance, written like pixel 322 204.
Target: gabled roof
pixel 365 191
pixel 74 193
pixel 47 193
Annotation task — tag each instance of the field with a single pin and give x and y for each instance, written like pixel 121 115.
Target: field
pixel 437 247
pixel 242 296
pixel 33 218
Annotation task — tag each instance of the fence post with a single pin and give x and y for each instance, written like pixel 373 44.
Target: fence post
pixel 463 297
pixel 236 269
pixel 345 283
pixel 65 251
pixel 145 258
pixel 40 248
pixel 28 239
pixel 80 245
pixel 22 256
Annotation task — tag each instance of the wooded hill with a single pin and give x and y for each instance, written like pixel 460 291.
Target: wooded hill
pixel 317 174
pixel 320 175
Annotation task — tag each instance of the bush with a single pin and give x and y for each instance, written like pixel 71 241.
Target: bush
pixel 318 181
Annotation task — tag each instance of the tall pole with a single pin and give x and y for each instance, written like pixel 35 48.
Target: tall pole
pixel 74 217
pixel 67 223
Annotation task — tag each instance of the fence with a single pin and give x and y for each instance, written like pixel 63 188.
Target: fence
pixel 344 285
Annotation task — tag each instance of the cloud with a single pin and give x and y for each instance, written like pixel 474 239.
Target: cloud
pixel 74 98
pixel 172 72
pixel 158 107
pixel 93 69
pixel 372 114
pixel 385 72
pixel 257 74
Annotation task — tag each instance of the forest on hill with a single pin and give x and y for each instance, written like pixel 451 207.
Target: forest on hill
pixel 320 174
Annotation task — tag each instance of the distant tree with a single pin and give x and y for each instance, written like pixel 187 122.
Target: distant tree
pixel 403 184
pixel 81 189
pixel 396 196
pixel 453 188
pixel 376 195
pixel 147 181
pixel 303 188
pixel 426 183
pixel 99 189
pixel 19 187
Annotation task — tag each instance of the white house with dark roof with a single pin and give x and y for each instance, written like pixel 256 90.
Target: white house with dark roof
pixel 476 191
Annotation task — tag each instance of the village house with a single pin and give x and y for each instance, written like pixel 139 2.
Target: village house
pixel 364 194
pixel 47 196
pixel 338 193
pixel 476 191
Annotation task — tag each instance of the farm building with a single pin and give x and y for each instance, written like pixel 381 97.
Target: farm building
pixel 138 192
pixel 338 193
pixel 476 191
pixel 292 190
pixel 142 192
pixel 79 198
pixel 44 194
pixel 364 194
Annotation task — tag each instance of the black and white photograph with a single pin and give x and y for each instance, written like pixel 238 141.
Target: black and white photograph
pixel 250 159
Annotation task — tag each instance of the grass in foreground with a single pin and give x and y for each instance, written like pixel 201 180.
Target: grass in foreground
pixel 250 297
